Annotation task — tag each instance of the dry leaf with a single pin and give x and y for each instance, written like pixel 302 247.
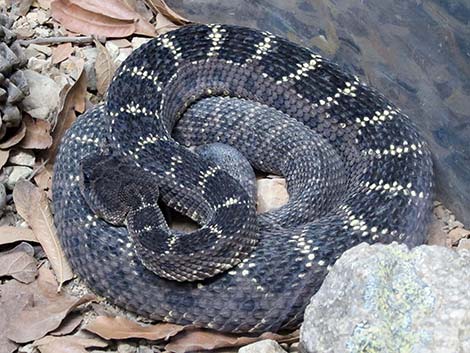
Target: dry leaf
pixel 19 265
pixel 164 24
pixel 110 18
pixel 14 139
pixel 43 180
pixel 201 339
pixel 13 234
pixel 15 296
pixel 36 321
pixel 44 4
pixel 140 7
pixel 32 204
pixel 72 99
pixel 104 67
pixel 67 326
pixel 61 52
pixel 37 134
pixel 4 157
pixel 12 300
pixel 122 328
pixel 159 6
pixel 68 344
pixel 120 43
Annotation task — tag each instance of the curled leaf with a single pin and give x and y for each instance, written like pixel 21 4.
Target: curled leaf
pixel 69 344
pixel 111 18
pixel 160 6
pixel 15 138
pixel 202 340
pixel 37 134
pixel 122 328
pixel 4 157
pixel 104 67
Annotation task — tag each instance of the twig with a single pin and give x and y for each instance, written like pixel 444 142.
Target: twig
pixel 55 40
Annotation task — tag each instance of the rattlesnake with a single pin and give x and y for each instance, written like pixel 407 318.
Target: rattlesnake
pixel 356 167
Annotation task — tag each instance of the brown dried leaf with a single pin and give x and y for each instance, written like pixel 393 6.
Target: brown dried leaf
pixel 68 344
pixel 159 6
pixel 104 67
pixel 4 157
pixel 164 24
pixel 201 339
pixel 67 326
pixel 110 18
pixel 13 298
pixel 13 234
pixel 38 134
pixel 120 43
pixel 35 322
pixel 61 52
pixel 44 4
pixel 72 99
pixel 14 139
pixel 32 204
pixel 122 328
pixel 43 180
pixel 19 265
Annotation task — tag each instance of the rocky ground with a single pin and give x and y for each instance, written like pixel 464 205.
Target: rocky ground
pixel 54 64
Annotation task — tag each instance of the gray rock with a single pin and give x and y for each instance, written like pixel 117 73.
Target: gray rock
pixel 90 54
pixel 16 173
pixel 265 346
pixel 22 157
pixel 126 348
pixel 43 100
pixel 464 244
pixel 387 298
pixel 294 348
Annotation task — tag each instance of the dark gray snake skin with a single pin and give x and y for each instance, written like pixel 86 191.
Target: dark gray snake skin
pixel 357 170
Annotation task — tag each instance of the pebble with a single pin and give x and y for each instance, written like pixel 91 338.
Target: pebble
pixel 42 17
pixel 90 54
pixel 113 49
pixel 265 346
pixel 464 244
pixel 22 157
pixel 43 100
pixel 294 347
pixel 272 194
pixel 138 41
pixel 393 298
pixel 457 234
pixel 442 213
pixel 16 173
pixel 126 348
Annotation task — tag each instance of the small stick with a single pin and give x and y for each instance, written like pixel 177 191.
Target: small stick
pixel 56 40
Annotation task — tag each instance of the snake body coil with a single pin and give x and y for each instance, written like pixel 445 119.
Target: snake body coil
pixel 357 170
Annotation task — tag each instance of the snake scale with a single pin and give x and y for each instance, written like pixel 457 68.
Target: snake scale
pixel 356 169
